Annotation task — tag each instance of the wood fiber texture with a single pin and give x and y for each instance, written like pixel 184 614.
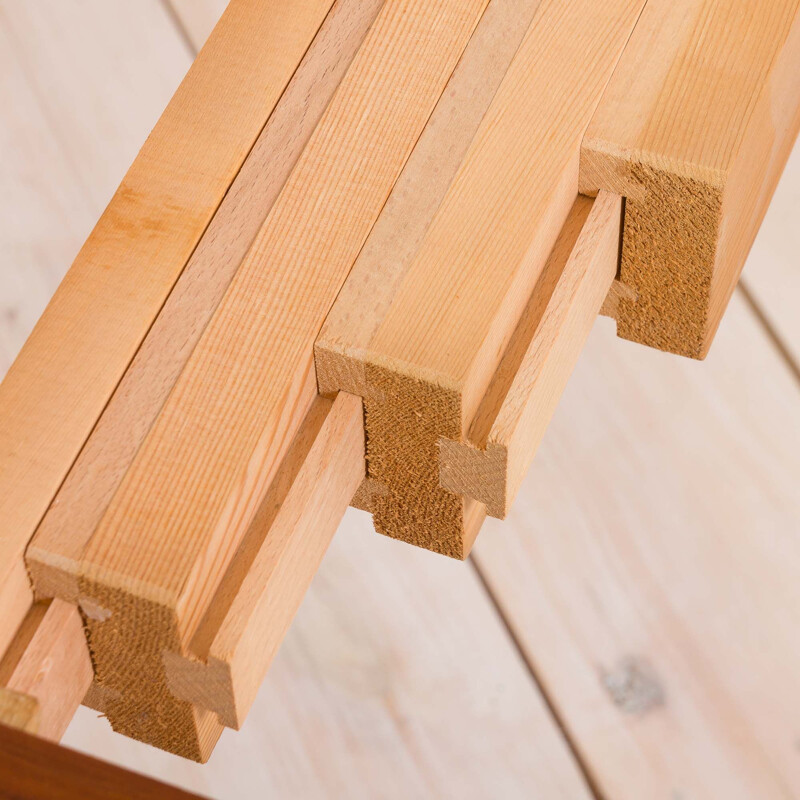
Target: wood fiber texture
pixel 694 130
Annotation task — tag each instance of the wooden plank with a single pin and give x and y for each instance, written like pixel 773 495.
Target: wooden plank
pixel 48 660
pixel 433 355
pixel 178 517
pixel 255 604
pixel 517 408
pixel 662 620
pixel 34 769
pixel 198 18
pixel 58 183
pixel 772 278
pixel 369 682
pixel 696 142
pixel 53 394
pixel 54 553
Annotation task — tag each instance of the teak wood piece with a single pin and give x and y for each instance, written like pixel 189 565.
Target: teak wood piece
pixel 694 130
pixel 83 343
pixel 256 602
pixel 162 548
pixel 538 361
pixel 48 660
pixel 32 768
pixel 54 554
pixel 429 363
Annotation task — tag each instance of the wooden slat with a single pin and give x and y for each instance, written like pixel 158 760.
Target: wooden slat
pixel 651 567
pixel 256 602
pixel 34 769
pixel 515 412
pixel 81 346
pixel 429 363
pixel 54 553
pixel 694 130
pixel 58 182
pixel 48 660
pixel 178 517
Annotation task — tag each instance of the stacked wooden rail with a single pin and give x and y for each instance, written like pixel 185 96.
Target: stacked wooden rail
pixel 355 262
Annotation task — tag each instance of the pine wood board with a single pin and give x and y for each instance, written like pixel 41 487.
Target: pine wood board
pixel 538 361
pixel 48 661
pixel 476 267
pixel 59 184
pixel 180 513
pixel 54 554
pixel 650 568
pixel 696 142
pixel 53 394
pixel 773 277
pixel 259 597
pixel 369 682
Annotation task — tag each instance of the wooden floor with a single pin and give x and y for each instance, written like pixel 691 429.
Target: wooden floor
pixel 632 631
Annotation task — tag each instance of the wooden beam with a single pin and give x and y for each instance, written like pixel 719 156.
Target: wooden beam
pixel 19 711
pixel 48 661
pixel 54 554
pixel 175 523
pixel 59 384
pixel 428 364
pixel 517 408
pixel 34 769
pixel 256 602
pixel 694 129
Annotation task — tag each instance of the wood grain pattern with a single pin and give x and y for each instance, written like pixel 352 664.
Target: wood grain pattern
pixel 48 660
pixel 248 619
pixel 527 385
pixel 181 511
pixel 53 394
pixel 431 359
pixel 55 551
pixel 34 769
pixel 696 142
pixel 662 620
pixel 61 174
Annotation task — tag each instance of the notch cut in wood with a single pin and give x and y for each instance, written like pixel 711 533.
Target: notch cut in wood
pixel 431 356
pixel 694 130
pixel 514 414
pixel 256 602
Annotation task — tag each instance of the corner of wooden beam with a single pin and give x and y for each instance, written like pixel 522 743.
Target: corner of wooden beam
pixel 20 711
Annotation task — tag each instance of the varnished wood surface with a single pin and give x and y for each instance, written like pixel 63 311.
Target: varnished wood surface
pixel 34 769
pixel 396 669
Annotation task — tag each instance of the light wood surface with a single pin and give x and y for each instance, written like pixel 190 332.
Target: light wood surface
pixel 527 385
pixel 79 349
pixel 650 567
pixel 369 680
pixel 694 129
pixel 181 511
pixel 54 554
pixel 259 597
pixel 48 660
pixel 61 176
pixel 430 361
